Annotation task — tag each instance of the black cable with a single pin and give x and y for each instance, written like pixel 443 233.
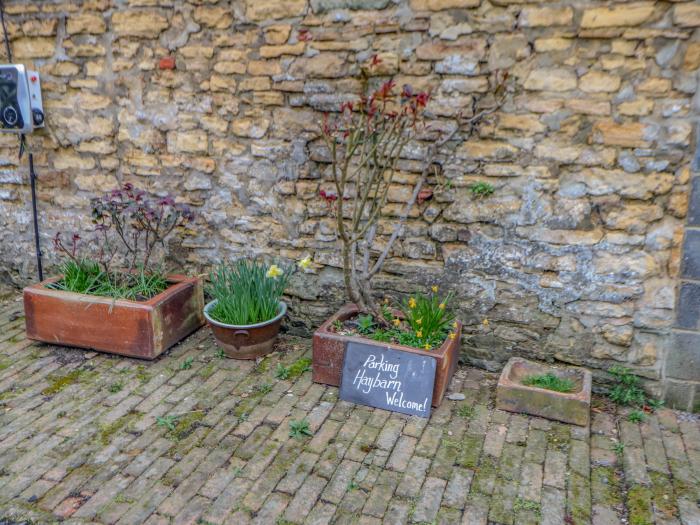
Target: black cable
pixel 4 30
pixel 22 147
pixel 32 182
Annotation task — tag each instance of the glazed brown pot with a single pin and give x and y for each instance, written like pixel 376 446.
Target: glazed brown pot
pixel 246 341
pixel 141 329
pixel 329 352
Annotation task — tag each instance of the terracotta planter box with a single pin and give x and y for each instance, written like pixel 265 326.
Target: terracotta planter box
pixel 569 407
pixel 329 352
pixel 141 329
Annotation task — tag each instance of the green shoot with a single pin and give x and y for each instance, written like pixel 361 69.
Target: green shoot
pixel 299 429
pixel 550 382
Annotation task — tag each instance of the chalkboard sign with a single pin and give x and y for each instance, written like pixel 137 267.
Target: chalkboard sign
pixel 390 379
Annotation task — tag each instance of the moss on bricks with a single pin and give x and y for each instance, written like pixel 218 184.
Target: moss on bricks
pixel 470 451
pixel 207 371
pixel 639 499
pixel 484 475
pixel 186 424
pixel 664 500
pixel 558 438
pixel 605 485
pixel 61 382
pixel 263 365
pixel 108 431
pixel 298 367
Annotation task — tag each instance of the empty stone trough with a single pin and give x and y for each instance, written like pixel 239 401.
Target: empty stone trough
pixel 570 407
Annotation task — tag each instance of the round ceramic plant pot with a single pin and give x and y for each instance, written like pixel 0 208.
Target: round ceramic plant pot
pixel 246 341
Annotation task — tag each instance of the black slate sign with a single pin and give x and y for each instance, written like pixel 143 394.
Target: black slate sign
pixel 380 377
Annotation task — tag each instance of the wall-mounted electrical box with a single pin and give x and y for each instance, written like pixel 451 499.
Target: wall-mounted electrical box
pixel 21 110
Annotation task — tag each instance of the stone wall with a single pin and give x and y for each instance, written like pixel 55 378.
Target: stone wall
pixel 576 255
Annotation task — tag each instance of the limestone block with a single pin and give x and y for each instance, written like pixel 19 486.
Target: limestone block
pixel 438 5
pixel 259 10
pixel 85 22
pixel 34 47
pixel 551 79
pixel 599 82
pixel 628 14
pixel 545 16
pixel 146 24
pixel 212 16
pixel 194 141
pixel 687 14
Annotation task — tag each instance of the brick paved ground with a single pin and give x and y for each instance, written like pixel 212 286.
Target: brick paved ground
pixel 80 438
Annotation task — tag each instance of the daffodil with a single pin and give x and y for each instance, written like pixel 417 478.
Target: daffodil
pixel 274 272
pixel 441 306
pixel 304 263
pixel 435 289
pixel 411 303
pixel 455 325
pixel 485 322
pixel 453 335
pixel 426 346
pixel 396 321
pixel 419 333
pixel 419 321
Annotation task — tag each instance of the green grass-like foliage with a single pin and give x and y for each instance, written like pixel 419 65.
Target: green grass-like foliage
pixel 627 391
pixel 365 324
pixel 481 189
pixel 550 382
pixel 86 277
pixel 636 416
pixel 244 293
pixel 428 318
pixel 299 429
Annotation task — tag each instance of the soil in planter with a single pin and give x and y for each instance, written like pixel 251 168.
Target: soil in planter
pixel 361 325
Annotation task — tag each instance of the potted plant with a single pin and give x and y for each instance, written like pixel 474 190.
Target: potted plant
pixel 246 312
pixel 365 144
pixel 562 393
pixel 110 295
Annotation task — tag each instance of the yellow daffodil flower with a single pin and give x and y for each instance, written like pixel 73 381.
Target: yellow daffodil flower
pixel 396 321
pixel 304 263
pixel 485 322
pixel 426 346
pixel 411 303
pixel 274 272
pixel 419 333
pixel 441 306
pixel 435 289
pixel 419 321
pixel 453 335
pixel 455 325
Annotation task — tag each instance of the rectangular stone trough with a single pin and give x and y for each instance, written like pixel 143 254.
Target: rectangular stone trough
pixel 570 407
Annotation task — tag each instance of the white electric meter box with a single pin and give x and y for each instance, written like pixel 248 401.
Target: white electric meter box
pixel 21 109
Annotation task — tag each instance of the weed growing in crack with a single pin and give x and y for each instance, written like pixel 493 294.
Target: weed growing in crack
pixel 167 422
pixel 636 416
pixel 299 429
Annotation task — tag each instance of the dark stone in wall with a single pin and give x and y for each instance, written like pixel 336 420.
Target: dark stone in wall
pixel 688 313
pixel 678 395
pixel 694 205
pixel 684 356
pixel 691 255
